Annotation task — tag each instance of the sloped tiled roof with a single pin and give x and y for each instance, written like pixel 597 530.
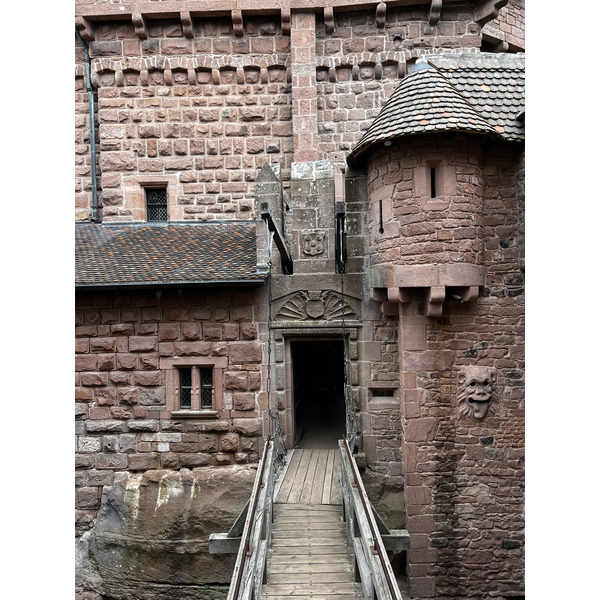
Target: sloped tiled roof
pixel 165 254
pixel 478 93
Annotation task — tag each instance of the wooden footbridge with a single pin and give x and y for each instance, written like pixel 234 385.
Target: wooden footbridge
pixel 313 536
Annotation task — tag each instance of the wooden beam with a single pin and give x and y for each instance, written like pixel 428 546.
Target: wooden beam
pixel 286 256
pixel 221 543
pixel 396 540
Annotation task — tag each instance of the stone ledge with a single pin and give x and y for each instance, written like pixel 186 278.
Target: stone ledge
pixel 392 285
pixel 194 414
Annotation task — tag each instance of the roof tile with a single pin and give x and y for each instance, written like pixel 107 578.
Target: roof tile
pixel 163 254
pixel 479 93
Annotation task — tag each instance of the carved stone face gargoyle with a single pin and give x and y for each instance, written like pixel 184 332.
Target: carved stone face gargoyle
pixel 476 391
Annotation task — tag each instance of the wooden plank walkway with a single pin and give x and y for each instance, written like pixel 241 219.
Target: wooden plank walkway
pixel 312 477
pixel 309 557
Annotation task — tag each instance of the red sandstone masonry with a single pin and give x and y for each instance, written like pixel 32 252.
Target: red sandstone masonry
pixel 207 120
pixel 122 410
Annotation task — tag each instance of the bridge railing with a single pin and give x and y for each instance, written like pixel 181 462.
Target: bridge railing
pixel 251 563
pixel 373 567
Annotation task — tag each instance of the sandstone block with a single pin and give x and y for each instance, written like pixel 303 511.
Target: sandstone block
pixel 235 380
pixel 143 343
pixel 146 378
pixel 86 362
pixel 248 427
pixel 208 442
pixel 117 161
pixel 220 459
pixel 92 379
pixel 105 425
pixel 244 401
pixel 143 425
pixel 111 461
pixel 89 444
pixel 229 442
pixel 196 459
pixel 144 462
pixel 87 497
pixel 245 352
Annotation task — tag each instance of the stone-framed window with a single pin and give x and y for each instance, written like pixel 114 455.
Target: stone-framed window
pixel 139 189
pixel 156 204
pixel 194 386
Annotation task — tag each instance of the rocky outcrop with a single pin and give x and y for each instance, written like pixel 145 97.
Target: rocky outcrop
pixel 150 541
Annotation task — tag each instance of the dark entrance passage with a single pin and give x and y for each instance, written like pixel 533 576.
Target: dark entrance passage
pixel 319 407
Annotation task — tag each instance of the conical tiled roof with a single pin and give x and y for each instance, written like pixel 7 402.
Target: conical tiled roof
pixel 476 93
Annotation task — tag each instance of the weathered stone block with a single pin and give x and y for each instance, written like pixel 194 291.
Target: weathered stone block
pixel 229 442
pixel 244 401
pixel 102 426
pixel 143 344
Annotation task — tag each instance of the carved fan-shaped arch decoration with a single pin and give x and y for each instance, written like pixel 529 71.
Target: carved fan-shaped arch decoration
pixel 314 305
pixel 294 309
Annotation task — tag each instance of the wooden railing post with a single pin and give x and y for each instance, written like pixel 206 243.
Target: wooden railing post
pixel 250 566
pixel 373 566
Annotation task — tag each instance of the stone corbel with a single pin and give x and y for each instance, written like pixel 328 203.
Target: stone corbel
pixel 139 24
pixel 399 295
pixel 238 23
pixel 435 12
pixel 487 10
pixel 286 21
pixel 435 301
pixel 186 24
pixel 393 285
pixel 380 15
pixel 86 31
pixel 329 20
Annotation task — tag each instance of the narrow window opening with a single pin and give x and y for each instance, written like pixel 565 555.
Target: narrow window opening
pixel 156 204
pixel 185 388
pixel 206 388
pixel 340 237
pixel 386 393
pixel 432 182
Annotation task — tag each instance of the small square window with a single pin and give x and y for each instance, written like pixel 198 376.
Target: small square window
pixel 156 204
pixel 194 386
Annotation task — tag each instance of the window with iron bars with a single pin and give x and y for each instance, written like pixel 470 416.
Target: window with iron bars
pixel 195 388
pixel 156 204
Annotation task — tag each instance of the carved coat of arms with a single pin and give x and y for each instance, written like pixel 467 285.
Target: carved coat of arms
pixel 313 242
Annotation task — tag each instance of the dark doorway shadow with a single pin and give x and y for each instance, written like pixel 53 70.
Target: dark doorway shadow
pixel 319 407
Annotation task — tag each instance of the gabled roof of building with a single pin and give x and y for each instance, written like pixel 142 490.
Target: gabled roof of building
pixel 111 255
pixel 478 93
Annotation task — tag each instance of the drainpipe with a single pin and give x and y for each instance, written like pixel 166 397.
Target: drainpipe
pixel 90 91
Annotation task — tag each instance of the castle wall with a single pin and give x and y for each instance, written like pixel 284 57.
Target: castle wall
pixel 463 476
pixel 200 115
pixel 199 106
pixel 123 422
pixel 409 226
pixel 360 63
